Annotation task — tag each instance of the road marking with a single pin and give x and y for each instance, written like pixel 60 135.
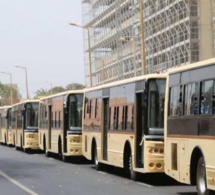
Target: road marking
pixel 144 184
pixel 18 184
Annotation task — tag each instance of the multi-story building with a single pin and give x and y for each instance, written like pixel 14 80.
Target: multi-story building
pixel 175 33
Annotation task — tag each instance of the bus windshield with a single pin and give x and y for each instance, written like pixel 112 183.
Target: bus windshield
pixel 31 115
pixel 156 96
pixel 75 112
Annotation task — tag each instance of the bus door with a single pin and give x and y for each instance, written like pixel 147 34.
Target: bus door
pixel 105 127
pixel 66 115
pixel 140 126
pixel 49 125
pixel 23 113
pixel 15 136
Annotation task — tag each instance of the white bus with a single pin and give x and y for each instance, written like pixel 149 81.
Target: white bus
pixel 5 125
pixel 60 124
pixel 24 125
pixel 124 124
pixel 190 125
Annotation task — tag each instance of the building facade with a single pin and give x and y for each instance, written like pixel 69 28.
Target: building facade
pixel 174 33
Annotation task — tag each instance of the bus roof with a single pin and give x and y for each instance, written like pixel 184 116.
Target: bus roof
pixel 191 66
pixel 26 101
pixel 63 93
pixel 5 107
pixel 125 81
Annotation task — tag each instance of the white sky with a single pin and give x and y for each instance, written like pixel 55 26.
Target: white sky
pixel 36 34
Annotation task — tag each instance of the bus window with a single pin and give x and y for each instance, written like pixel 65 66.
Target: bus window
pixel 191 99
pixel 116 118
pixel 156 95
pixel 206 94
pixel 175 108
pixel 31 115
pixel 75 112
pixel 213 104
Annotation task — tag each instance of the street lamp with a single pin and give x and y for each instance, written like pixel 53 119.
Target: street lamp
pixel 26 79
pixel 89 48
pixel 50 85
pixel 11 90
pixel 142 39
pixel 127 39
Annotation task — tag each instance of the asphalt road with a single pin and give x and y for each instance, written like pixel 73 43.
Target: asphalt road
pixel 34 173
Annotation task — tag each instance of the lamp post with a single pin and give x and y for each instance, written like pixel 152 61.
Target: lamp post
pixel 127 39
pixel 89 48
pixel 142 39
pixel 50 85
pixel 26 79
pixel 11 90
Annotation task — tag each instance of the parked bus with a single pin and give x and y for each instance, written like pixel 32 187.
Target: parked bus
pixel 5 125
pixel 24 116
pixel 124 124
pixel 60 124
pixel 190 125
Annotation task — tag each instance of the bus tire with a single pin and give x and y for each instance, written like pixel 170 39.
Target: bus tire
pixel 201 183
pixel 26 150
pixel 5 140
pixel 95 159
pixel 44 144
pixel 60 154
pixel 47 153
pixel 128 163
pixel 64 158
pixel 133 174
pixel 21 145
pixel 14 140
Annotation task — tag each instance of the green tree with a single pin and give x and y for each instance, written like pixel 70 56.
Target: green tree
pixel 41 93
pixel 5 94
pixel 74 86
pixel 44 92
pixel 57 89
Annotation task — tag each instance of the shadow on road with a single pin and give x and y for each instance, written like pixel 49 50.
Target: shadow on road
pixel 155 179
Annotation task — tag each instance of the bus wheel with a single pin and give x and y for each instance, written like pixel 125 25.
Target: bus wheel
pixel 60 154
pixel 44 144
pixel 64 158
pixel 95 159
pixel 21 145
pixel 5 140
pixel 47 153
pixel 26 150
pixel 201 183
pixel 14 140
pixel 132 173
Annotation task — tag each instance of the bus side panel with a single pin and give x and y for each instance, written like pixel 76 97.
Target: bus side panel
pixel 171 159
pixel 116 144
pixel 54 140
pixel 87 144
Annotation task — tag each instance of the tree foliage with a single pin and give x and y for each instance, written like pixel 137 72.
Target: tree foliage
pixel 58 89
pixel 41 93
pixel 44 92
pixel 74 86
pixel 5 94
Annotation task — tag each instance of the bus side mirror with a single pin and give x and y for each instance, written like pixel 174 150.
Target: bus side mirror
pixel 65 107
